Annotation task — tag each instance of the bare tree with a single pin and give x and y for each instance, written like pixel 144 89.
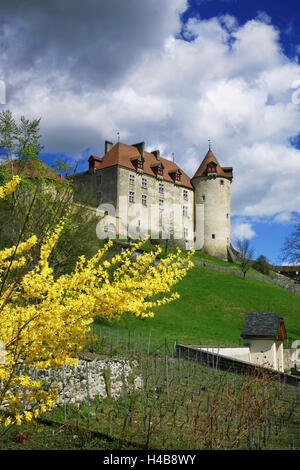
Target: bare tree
pixel 246 253
pixel 291 248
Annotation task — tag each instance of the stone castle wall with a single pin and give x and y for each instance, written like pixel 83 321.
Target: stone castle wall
pixel 214 195
pixel 165 222
pixel 201 222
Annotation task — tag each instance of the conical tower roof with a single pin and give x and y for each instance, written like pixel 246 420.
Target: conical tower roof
pixel 225 172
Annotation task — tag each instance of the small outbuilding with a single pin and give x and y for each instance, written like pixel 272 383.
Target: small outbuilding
pixel 264 333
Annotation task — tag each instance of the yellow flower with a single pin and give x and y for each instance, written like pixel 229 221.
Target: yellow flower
pixel 27 415
pixel 9 187
pixel 44 318
pixel 8 421
pixel 18 418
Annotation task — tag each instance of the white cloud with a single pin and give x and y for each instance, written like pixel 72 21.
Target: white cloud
pixel 242 231
pixel 264 17
pixel 283 217
pixel 231 83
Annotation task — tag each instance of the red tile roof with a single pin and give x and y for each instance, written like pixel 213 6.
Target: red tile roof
pixel 34 169
pixel 124 155
pixel 225 171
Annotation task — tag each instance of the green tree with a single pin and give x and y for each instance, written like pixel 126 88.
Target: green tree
pixel 9 132
pixel 262 265
pixel 63 167
pixel 44 194
pixel 28 138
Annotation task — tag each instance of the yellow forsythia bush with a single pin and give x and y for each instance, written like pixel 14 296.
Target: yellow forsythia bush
pixel 43 320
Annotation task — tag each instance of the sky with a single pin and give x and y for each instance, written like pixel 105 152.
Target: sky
pixel 172 74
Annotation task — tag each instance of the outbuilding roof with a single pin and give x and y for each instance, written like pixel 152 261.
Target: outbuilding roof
pixel 263 324
pixel 34 168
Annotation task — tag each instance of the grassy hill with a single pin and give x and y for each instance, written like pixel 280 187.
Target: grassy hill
pixel 212 307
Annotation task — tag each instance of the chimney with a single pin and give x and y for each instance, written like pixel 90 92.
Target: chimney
pixel 91 164
pixel 140 146
pixel 108 146
pixel 156 153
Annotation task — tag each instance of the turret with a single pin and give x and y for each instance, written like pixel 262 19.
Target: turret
pixel 212 206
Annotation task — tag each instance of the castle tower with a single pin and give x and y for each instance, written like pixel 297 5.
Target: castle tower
pixel 212 207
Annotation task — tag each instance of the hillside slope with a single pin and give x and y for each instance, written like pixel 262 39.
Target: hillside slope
pixel 212 307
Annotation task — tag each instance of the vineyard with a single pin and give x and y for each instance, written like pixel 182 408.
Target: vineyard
pixel 177 402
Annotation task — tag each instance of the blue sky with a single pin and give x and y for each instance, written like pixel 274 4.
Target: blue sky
pixel 284 15
pixel 173 74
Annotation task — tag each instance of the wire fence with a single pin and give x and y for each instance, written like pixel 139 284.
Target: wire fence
pixel 112 341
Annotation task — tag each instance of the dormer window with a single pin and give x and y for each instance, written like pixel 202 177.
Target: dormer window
pixel 176 176
pixel 138 163
pixel 158 170
pixel 212 168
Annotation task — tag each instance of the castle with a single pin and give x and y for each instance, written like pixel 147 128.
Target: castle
pixel 140 192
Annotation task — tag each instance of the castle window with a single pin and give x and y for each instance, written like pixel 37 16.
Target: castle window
pixel 211 168
pixel 140 164
pixel 161 188
pixel 178 177
pixel 185 211
pixel 131 179
pixel 98 179
pixel 185 233
pixel 144 183
pixel 131 196
pixel 144 200
pixel 222 182
pixel 185 195
pixel 98 195
pixel 203 197
pixel 161 204
pixel 213 236
pixel 160 171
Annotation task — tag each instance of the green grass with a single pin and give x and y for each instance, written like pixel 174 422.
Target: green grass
pixel 212 308
pixel 202 257
pixel 41 436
